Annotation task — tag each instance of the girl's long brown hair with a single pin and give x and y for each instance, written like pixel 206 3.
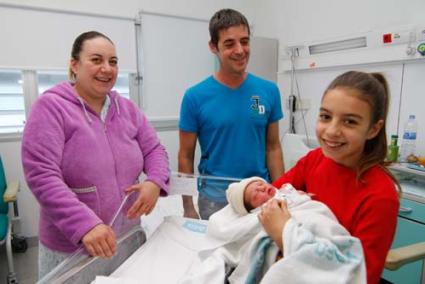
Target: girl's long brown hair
pixel 373 89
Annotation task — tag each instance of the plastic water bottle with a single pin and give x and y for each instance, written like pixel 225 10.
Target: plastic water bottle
pixel 408 143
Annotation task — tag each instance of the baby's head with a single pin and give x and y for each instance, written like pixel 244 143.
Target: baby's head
pixel 248 194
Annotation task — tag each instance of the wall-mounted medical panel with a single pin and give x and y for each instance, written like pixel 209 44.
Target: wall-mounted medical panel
pixel 398 44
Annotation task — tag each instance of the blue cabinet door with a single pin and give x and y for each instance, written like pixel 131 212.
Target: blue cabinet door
pixel 408 232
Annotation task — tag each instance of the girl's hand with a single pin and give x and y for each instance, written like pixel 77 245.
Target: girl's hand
pixel 273 216
pixel 100 241
pixel 145 202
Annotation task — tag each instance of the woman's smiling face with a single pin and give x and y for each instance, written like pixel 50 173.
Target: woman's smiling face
pixel 96 69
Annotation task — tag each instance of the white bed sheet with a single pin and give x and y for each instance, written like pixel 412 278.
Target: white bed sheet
pixel 166 257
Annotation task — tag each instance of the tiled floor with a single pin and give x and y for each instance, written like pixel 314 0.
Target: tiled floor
pixel 26 267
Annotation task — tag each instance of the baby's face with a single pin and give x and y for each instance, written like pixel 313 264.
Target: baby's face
pixel 258 192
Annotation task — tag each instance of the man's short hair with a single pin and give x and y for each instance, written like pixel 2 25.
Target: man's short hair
pixel 225 19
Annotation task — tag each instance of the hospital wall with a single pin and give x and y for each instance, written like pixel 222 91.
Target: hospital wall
pixel 10 147
pixel 312 22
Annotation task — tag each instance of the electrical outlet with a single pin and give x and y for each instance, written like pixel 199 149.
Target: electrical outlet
pixel 399 37
pixel 402 37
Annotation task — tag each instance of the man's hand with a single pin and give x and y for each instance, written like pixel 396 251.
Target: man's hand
pixel 145 202
pixel 189 208
pixel 100 241
pixel 191 213
pixel 273 216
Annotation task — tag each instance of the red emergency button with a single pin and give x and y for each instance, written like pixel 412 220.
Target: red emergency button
pixel 387 38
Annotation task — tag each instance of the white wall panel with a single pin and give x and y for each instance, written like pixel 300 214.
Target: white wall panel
pixel 33 38
pixel 413 101
pixel 175 57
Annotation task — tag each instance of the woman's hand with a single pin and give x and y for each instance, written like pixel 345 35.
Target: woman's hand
pixel 100 241
pixel 273 216
pixel 145 202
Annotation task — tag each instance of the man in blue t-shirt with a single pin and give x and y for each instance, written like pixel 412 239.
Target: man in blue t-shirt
pixel 234 114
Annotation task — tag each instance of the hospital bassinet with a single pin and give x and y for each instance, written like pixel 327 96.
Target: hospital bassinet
pixel 147 241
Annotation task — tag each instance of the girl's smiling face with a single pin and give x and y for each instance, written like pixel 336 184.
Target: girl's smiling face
pixel 344 126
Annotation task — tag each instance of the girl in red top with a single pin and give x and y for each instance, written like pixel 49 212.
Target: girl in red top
pixel 347 172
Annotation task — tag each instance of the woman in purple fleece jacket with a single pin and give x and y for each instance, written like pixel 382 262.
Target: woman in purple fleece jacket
pixel 83 150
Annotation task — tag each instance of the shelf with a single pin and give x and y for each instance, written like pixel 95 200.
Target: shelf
pixel 412 181
pixel 402 168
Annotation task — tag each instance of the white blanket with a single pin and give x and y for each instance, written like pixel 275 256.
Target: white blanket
pixel 317 249
pixel 167 255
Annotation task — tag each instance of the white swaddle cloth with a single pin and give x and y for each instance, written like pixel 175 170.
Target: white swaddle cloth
pixel 316 247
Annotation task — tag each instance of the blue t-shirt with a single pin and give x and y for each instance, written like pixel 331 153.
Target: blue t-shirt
pixel 231 125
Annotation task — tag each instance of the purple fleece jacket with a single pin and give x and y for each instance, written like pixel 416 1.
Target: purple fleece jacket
pixel 78 166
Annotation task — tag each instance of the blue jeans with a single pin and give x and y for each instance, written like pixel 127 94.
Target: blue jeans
pixel 208 207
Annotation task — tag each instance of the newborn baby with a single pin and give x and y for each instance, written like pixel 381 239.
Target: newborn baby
pixel 304 230
pixel 251 193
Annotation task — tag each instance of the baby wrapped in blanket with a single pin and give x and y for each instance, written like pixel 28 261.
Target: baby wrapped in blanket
pixel 314 247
